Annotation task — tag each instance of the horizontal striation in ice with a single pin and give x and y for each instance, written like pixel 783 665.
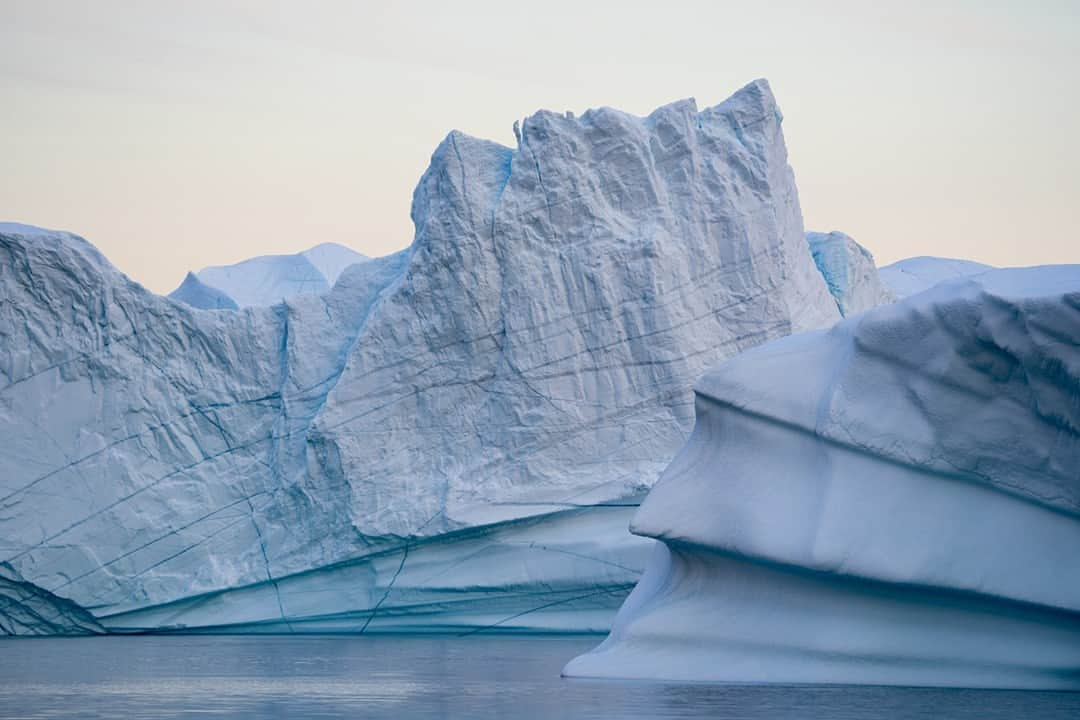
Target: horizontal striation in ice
pixel 565 571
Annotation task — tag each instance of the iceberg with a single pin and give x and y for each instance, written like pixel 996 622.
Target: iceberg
pixel 849 272
pixel 455 435
pixel 913 275
pixel 266 280
pixel 891 501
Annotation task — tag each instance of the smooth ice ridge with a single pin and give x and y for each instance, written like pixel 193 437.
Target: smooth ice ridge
pixel 849 272
pixel 266 280
pixel 913 275
pixel 26 609
pixel 892 501
pixel 531 353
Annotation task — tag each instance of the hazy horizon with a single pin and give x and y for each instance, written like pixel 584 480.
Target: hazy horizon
pixel 176 136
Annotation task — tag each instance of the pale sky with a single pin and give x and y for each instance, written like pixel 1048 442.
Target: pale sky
pixel 176 135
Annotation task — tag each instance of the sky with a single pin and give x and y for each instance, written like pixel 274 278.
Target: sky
pixel 176 135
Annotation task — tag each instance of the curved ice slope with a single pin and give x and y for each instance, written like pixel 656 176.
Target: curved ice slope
pixel 913 275
pixel 892 501
pixel 268 279
pixel 530 354
pixel 849 272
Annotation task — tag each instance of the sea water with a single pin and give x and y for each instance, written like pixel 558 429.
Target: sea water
pixel 402 677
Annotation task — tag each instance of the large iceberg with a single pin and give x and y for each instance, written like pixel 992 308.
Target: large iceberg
pixel 267 279
pixel 452 436
pixel 895 500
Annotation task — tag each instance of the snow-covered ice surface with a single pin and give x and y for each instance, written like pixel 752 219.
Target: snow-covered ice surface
pixel 915 274
pixel 452 436
pixel 268 279
pixel 892 501
pixel 849 271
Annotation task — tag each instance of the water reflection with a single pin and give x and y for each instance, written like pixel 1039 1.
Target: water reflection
pixel 419 677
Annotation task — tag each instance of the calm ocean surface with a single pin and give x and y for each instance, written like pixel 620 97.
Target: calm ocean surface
pixel 419 677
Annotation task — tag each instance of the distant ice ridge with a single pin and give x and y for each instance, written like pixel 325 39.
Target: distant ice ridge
pixel 849 272
pixel 198 294
pixel 16 228
pixel 892 501
pixel 451 436
pixel 913 275
pixel 266 280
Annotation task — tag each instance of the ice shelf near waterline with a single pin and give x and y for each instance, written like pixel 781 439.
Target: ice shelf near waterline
pixel 566 571
pixel 529 358
pixel 892 501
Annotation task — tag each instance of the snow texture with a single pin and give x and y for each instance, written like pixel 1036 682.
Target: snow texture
pixel 433 440
pixel 913 275
pixel 266 280
pixel 849 272
pixel 892 501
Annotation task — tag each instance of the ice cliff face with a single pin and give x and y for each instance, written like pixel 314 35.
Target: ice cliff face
pixel 453 436
pixel 849 272
pixel 578 264
pixel 913 275
pixel 266 280
pixel 892 501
